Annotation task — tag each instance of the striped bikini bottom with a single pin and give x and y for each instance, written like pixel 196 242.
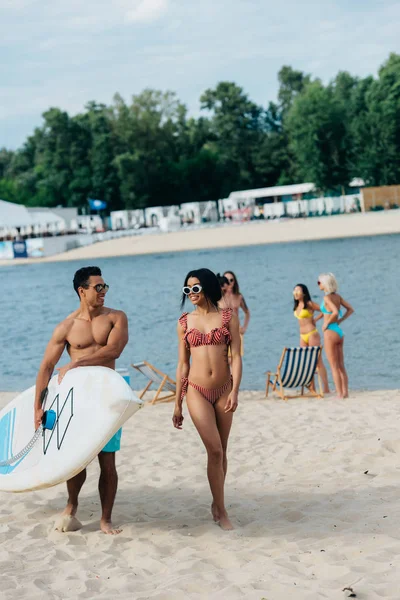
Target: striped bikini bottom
pixel 210 395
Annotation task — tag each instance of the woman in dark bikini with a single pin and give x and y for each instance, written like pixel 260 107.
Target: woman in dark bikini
pixel 211 390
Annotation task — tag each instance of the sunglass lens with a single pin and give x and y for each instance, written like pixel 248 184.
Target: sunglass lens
pixel 196 289
pixel 186 290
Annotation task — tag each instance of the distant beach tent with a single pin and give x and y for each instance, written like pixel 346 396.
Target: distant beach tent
pixel 46 220
pixel 13 215
pixel 284 192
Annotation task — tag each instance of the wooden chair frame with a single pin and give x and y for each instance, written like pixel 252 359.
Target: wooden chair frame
pixel 169 397
pixel 278 381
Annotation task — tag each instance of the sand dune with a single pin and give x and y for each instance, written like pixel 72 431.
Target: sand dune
pixel 313 489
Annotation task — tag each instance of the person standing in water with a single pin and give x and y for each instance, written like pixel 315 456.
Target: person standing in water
pixel 204 377
pixel 333 333
pixel 93 335
pixel 234 299
pixel 303 310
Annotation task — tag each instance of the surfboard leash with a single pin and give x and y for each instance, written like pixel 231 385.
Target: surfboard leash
pixel 48 421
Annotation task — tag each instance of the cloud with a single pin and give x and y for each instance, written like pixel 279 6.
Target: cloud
pixel 147 10
pixel 92 14
pixel 67 52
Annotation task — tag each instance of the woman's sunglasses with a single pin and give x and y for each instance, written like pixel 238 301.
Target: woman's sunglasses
pixel 195 289
pixel 99 287
pixel 231 280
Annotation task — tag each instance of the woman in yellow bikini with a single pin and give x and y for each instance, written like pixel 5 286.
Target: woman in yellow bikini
pixel 304 309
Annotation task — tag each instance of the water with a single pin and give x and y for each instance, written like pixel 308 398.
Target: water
pixel 36 297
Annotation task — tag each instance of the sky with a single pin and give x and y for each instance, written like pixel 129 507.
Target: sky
pixel 65 53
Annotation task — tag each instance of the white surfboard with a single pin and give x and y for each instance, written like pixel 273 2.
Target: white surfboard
pixel 88 408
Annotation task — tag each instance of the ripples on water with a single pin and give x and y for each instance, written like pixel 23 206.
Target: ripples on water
pixel 36 297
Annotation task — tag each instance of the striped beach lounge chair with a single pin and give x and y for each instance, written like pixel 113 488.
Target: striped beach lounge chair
pixel 160 379
pixel 296 369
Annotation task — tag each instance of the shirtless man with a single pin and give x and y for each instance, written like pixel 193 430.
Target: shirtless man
pixel 93 336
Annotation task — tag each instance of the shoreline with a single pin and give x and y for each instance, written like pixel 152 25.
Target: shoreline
pixel 236 235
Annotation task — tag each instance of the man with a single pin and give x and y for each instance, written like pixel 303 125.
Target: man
pixel 93 335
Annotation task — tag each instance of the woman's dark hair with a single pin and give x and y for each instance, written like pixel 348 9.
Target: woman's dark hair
pixel 209 283
pixel 306 296
pixel 81 277
pixel 236 289
pixel 222 280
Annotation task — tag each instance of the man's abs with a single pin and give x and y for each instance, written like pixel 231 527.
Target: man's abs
pixel 77 353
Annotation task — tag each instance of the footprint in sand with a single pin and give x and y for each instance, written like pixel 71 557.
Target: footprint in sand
pixel 293 515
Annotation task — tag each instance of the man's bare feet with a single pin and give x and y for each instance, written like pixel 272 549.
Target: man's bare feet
pixel 225 523
pixel 107 528
pixel 215 512
pixel 67 521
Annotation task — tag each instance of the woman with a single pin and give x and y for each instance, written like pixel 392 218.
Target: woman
pixel 304 311
pixel 224 284
pixel 211 390
pixel 233 299
pixel 333 334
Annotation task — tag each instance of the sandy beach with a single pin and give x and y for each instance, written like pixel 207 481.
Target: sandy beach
pixel 312 488
pixel 244 234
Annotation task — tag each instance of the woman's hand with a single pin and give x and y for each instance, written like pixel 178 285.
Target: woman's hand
pixel 232 402
pixel 324 327
pixel 242 330
pixel 177 418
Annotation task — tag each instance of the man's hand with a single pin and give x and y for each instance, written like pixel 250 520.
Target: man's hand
pixel 63 370
pixel 38 417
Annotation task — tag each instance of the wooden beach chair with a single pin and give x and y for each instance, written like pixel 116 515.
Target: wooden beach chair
pixel 296 369
pixel 162 380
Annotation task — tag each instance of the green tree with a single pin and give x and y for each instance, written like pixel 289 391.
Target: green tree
pixel 80 184
pixel 291 84
pixel 377 126
pixel 236 129
pixel 318 137
pixel 51 157
pixel 105 185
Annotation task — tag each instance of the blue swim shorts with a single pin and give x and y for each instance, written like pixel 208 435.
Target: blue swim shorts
pixel 114 444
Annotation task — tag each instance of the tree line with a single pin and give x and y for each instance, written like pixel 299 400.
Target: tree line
pixel 151 152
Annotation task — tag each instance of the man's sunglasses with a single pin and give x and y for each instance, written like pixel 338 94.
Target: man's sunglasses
pixel 195 289
pixel 99 287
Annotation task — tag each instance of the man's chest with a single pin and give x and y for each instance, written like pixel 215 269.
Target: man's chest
pixel 88 333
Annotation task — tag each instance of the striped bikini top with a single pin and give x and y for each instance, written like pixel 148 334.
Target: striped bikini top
pixel 219 335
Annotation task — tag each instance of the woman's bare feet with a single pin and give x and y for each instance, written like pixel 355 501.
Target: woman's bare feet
pixel 224 522
pixel 107 528
pixel 215 512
